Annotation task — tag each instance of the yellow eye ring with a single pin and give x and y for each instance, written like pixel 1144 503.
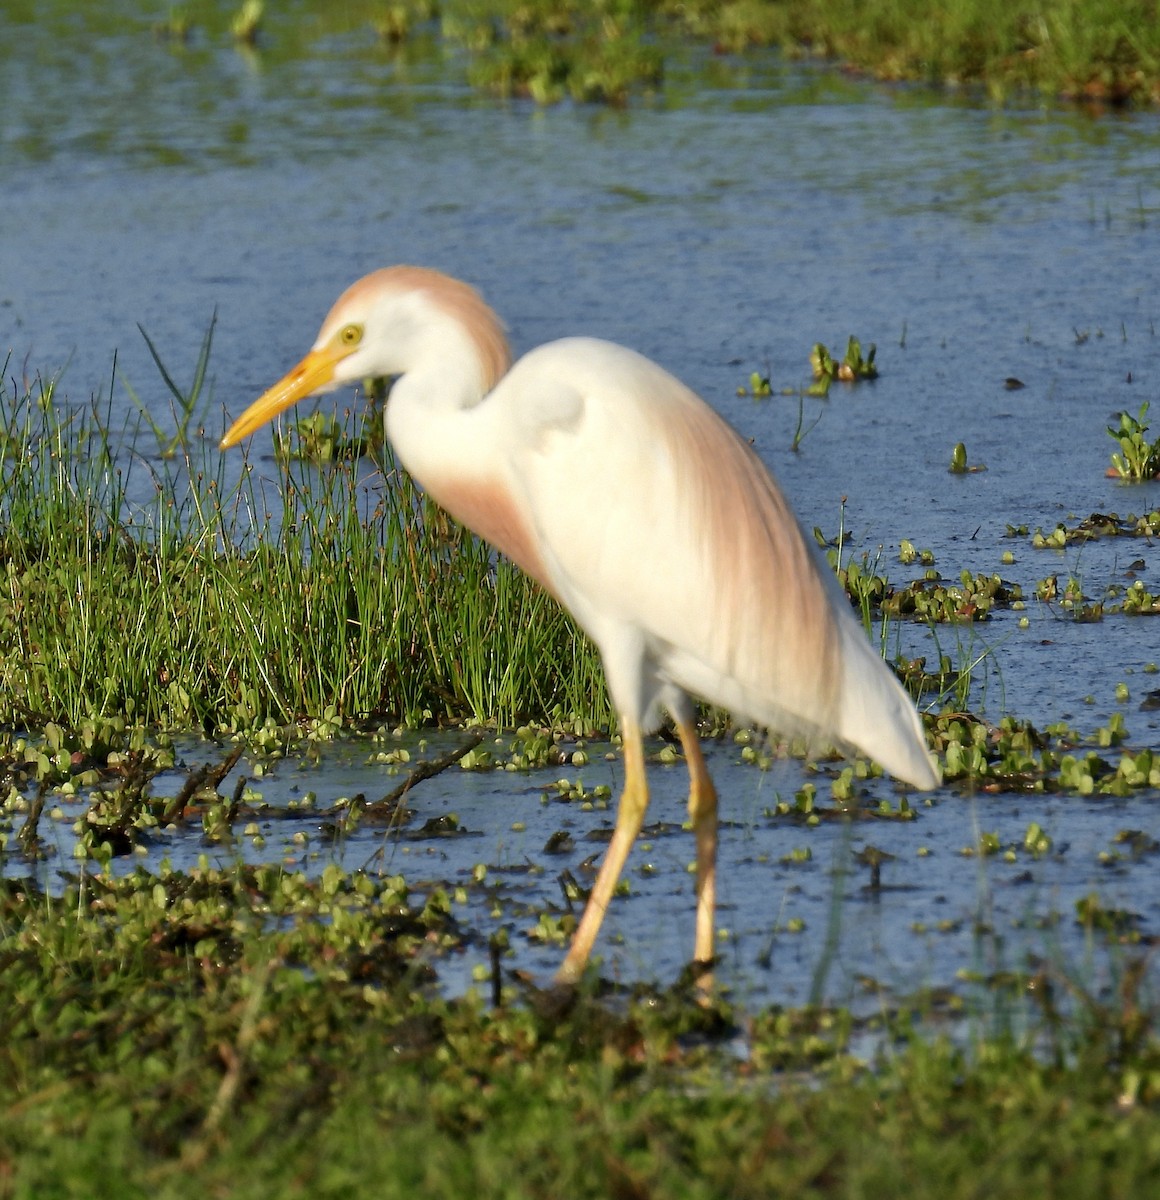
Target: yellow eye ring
pixel 351 335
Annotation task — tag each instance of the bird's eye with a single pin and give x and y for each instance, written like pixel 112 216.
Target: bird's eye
pixel 351 335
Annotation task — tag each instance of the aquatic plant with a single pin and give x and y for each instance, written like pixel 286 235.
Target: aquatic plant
pixel 759 385
pixel 1139 458
pixel 1098 525
pixel 931 598
pixel 959 464
pixel 321 440
pixel 852 368
pixel 908 553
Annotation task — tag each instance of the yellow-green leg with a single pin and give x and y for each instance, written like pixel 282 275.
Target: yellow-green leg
pixel 703 814
pixel 629 819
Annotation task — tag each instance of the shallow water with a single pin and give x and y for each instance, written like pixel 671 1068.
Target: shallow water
pixel 724 227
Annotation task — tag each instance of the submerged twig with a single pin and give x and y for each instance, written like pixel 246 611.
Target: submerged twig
pixel 236 799
pixel 495 950
pixel 29 837
pixel 206 775
pixel 423 770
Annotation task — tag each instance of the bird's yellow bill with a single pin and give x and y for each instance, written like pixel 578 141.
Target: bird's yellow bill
pixel 315 371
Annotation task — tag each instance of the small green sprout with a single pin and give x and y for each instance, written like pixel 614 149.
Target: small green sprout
pixel 959 464
pixel 759 386
pixel 247 21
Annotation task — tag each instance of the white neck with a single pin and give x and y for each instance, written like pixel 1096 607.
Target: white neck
pixel 429 413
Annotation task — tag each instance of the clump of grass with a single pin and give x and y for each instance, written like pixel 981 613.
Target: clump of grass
pixel 1100 50
pixel 217 604
pixel 1092 51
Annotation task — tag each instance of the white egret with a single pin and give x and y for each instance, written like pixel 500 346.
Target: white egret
pixel 644 514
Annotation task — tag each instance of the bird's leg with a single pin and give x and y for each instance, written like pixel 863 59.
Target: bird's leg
pixel 703 814
pixel 629 818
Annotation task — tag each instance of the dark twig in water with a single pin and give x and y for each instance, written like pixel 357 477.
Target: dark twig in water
pixel 28 836
pixel 423 770
pixel 495 951
pixel 236 799
pixel 206 775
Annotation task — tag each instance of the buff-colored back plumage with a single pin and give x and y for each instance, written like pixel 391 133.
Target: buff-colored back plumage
pixel 773 627
pixel 785 634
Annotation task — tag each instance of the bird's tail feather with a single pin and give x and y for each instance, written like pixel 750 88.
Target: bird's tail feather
pixel 877 716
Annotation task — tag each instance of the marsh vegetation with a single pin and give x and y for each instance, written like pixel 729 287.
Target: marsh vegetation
pixel 301 786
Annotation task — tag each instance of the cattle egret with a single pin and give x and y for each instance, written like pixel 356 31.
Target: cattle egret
pixel 644 514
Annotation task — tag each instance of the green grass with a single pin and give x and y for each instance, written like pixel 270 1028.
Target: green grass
pixel 1100 50
pixel 215 605
pixel 250 1032
pixel 1103 51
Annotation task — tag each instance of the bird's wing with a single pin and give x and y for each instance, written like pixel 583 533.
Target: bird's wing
pixel 653 516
